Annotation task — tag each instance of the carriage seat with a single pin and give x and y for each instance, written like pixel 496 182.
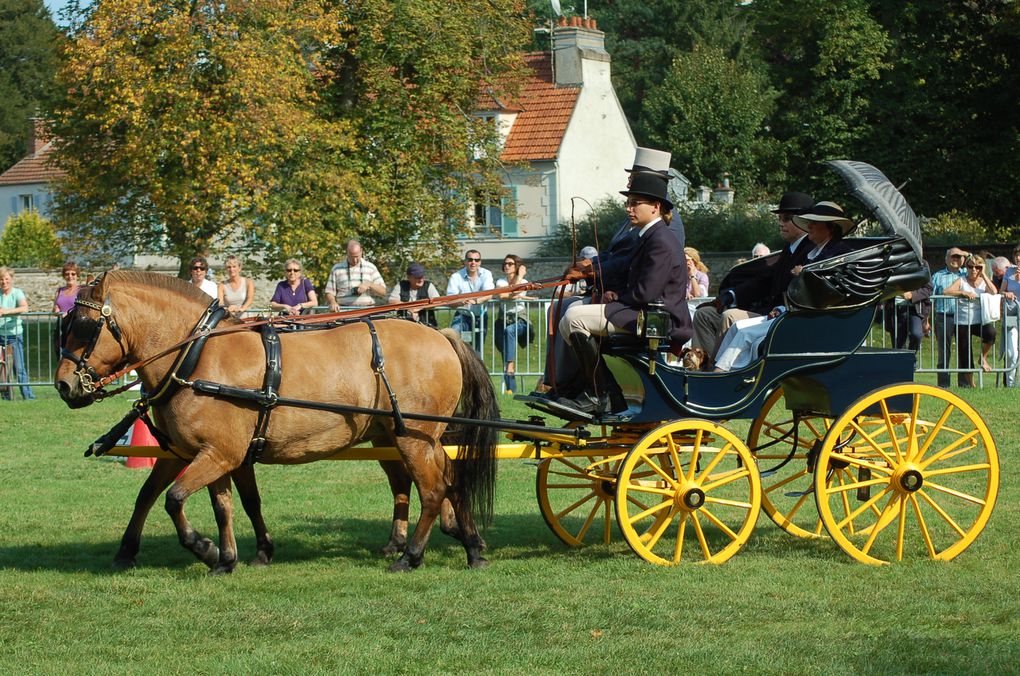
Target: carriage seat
pixel 876 270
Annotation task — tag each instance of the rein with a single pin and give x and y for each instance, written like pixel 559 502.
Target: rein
pixel 96 383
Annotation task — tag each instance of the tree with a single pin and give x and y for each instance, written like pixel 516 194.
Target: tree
pixel 28 57
pixel 29 241
pixel 710 111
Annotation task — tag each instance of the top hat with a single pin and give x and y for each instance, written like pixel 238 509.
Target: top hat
pixel 649 185
pixel 825 212
pixel 794 203
pixel 416 270
pixel 651 160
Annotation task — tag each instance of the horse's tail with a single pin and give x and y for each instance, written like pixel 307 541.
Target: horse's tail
pixel 475 469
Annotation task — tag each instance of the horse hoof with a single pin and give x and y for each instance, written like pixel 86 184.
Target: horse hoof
pixel 392 549
pixel 261 559
pixel 207 552
pixel 478 563
pixel 402 565
pixel 124 564
pixel 222 570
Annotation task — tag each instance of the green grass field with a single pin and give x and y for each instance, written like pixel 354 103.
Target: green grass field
pixel 328 604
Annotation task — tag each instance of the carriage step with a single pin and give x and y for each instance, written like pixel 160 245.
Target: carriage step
pixel 799 494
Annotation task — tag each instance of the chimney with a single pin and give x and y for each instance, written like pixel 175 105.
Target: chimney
pixel 574 42
pixel 37 137
pixel 723 193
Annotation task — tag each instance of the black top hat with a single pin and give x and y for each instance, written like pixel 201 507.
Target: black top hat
pixel 649 185
pixel 794 203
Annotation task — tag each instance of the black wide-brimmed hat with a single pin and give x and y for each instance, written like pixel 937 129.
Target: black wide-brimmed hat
pixel 825 212
pixel 649 185
pixel 794 203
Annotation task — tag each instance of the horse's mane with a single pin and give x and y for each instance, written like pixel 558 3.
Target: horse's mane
pixel 159 281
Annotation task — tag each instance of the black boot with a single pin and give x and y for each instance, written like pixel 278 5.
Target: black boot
pixel 603 395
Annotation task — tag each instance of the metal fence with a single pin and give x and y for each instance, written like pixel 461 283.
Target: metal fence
pixel 529 360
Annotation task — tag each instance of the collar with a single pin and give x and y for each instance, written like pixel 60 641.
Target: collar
pixel 796 243
pixel 645 228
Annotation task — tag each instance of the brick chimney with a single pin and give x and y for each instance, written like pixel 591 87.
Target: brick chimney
pixel 37 137
pixel 576 41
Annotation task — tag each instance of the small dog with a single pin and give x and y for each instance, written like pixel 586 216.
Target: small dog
pixel 696 359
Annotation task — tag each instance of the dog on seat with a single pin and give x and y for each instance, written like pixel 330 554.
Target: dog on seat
pixel 696 359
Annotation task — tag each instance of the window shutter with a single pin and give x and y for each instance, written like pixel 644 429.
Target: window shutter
pixel 509 222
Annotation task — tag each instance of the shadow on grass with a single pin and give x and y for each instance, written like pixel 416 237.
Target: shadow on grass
pixel 313 539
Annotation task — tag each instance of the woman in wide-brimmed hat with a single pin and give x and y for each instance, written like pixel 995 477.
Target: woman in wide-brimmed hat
pixel 826 225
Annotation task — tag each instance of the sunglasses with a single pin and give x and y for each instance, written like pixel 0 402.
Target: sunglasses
pixel 957 256
pixel 511 263
pixel 197 267
pixel 293 269
pixel 975 267
pixel 632 204
pixel 473 260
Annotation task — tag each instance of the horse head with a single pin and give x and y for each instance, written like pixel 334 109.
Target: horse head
pixel 109 328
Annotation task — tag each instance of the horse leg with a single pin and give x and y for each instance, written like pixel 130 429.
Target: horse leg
pixel 400 486
pixel 248 490
pixel 162 475
pixel 469 537
pixel 431 484
pixel 223 509
pixel 200 473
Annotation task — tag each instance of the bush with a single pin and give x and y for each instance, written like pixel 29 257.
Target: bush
pixel 952 229
pixel 604 219
pixel 715 227
pixel 29 241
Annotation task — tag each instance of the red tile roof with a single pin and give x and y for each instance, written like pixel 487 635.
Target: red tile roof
pixel 545 113
pixel 32 169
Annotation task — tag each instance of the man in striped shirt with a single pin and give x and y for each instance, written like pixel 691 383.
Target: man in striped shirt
pixel 944 311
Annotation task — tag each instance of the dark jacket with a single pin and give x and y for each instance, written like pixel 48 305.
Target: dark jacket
pixel 764 289
pixel 612 265
pixel 657 272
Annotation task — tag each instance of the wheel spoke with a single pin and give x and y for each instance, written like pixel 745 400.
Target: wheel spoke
pixel 701 536
pixel 955 493
pixel 648 512
pixel 571 508
pixel 900 528
pixel 654 490
pixel 727 478
pixel 924 526
pixel 941 512
pixel 780 484
pixel 607 523
pixel 589 520
pixel 715 461
pixel 871 442
pixel 952 449
pixel 657 470
pixel 888 514
pixel 863 508
pixel 727 503
pixel 718 523
pixel 891 428
pixel 659 530
pixel 934 432
pixel 695 455
pixel 980 467
pixel 678 547
pixel 857 484
pixel 861 462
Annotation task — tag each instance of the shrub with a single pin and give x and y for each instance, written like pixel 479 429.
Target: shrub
pixel 714 227
pixel 952 228
pixel 605 218
pixel 30 241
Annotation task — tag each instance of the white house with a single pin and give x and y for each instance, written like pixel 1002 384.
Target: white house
pixel 25 186
pixel 569 135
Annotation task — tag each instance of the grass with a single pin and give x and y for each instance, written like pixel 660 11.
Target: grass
pixel 327 604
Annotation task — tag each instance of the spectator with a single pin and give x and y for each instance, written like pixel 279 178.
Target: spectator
pixel 236 293
pixel 760 249
pixel 354 281
pixel 697 274
pixel 415 287
pixel 470 279
pixel 199 267
pixel 13 302
pixel 1010 289
pixel 969 317
pixel 295 295
pixel 905 322
pixel 998 266
pixel 945 312
pixel 512 321
pixel 63 302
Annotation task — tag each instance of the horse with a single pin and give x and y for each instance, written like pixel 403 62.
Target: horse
pixel 430 372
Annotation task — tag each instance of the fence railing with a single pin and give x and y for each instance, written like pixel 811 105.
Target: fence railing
pixel 494 347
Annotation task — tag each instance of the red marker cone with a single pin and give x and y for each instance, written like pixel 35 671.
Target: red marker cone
pixel 141 436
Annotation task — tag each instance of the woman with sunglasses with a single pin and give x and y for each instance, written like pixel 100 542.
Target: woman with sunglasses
pixel 512 320
pixel 198 267
pixel 63 302
pixel 968 290
pixel 295 295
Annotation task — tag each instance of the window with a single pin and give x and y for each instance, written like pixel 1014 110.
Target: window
pixel 26 203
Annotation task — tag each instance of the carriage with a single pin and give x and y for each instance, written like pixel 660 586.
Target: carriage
pixel 839 439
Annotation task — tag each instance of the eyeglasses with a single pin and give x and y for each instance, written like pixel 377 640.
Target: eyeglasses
pixel 957 256
pixel 510 263
pixel 632 204
pixel 473 260
pixel 197 267
pixel 293 269
pixel 975 267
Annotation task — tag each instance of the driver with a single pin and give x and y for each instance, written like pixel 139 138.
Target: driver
pixel 656 274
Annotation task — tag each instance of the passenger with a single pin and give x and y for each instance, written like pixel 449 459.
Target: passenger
pixel 415 287
pixel 826 225
pixel 757 295
pixel 295 295
pixel 697 274
pixel 969 317
pixel 656 274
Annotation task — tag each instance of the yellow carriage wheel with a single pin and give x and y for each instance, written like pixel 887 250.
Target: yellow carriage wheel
pixel 787 483
pixel 923 482
pixel 575 495
pixel 688 491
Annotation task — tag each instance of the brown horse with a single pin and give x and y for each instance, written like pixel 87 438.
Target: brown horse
pixel 430 372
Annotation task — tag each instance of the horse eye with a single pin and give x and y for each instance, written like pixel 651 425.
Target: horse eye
pixel 83 329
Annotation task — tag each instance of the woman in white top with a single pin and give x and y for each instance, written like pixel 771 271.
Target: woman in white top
pixel 968 316
pixel 236 293
pixel 512 319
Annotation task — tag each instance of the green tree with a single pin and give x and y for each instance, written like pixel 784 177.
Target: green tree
pixel 710 112
pixel 28 58
pixel 29 241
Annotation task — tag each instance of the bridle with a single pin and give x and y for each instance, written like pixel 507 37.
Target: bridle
pixel 87 331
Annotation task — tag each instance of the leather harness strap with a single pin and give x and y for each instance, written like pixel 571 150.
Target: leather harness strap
pixel 270 393
pixel 379 366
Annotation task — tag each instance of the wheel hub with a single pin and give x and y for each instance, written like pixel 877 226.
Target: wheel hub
pixel 692 498
pixel 911 481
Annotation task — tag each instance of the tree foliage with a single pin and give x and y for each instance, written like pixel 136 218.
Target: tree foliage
pixel 28 58
pixel 711 112
pixel 29 241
